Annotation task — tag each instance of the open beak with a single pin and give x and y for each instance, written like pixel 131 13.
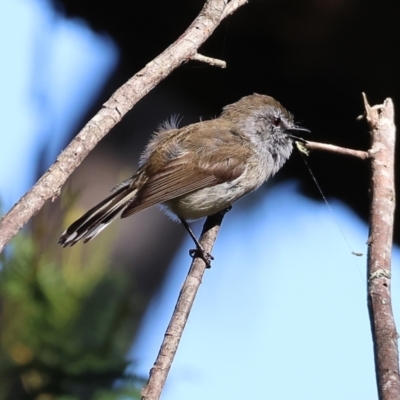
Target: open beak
pixel 294 130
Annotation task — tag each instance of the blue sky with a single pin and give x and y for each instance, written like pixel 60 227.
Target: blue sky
pixel 281 314
pixel 284 315
pixel 53 69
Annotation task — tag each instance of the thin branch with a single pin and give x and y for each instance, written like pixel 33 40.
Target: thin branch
pixel 336 149
pixel 215 62
pixel 49 185
pixel 383 132
pixel 173 334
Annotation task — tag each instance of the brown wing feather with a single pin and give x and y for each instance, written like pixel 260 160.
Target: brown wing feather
pixel 173 182
pixel 180 176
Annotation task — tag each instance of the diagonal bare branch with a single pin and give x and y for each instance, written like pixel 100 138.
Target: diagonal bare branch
pixel 173 334
pixel 182 50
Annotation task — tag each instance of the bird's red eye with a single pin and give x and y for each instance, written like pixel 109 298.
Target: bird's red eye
pixel 276 121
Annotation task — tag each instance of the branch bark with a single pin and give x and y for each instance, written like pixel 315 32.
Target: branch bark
pixel 336 149
pixel 184 49
pixel 383 132
pixel 173 334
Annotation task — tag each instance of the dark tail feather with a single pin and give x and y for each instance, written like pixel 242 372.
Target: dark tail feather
pixel 99 217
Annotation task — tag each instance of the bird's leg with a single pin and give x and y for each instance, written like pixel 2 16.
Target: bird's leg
pixel 227 209
pixel 198 251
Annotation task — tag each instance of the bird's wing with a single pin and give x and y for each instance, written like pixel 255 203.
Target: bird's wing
pixel 187 174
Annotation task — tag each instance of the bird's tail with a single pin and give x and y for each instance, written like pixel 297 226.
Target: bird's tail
pixel 100 216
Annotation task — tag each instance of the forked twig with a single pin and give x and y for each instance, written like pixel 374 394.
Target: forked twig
pixel 124 98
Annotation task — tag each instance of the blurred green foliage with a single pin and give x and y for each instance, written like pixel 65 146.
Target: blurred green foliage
pixel 67 320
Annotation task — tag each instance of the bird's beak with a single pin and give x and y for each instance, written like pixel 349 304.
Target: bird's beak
pixel 294 130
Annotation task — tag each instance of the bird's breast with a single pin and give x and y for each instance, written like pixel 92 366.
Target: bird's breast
pixel 210 200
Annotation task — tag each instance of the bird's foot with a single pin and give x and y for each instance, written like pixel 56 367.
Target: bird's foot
pixel 200 252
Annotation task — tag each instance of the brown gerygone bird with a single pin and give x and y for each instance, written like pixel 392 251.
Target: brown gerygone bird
pixel 200 169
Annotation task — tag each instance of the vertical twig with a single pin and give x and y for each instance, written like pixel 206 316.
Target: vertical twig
pixel 173 334
pixel 383 131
